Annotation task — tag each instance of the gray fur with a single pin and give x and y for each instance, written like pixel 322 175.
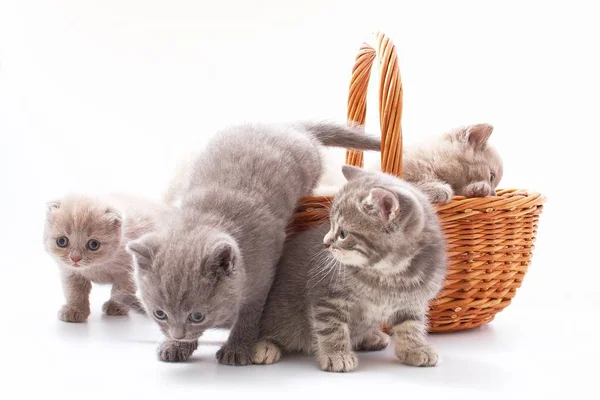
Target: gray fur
pixel 219 253
pixel 331 295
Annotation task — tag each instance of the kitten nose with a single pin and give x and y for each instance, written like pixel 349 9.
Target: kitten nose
pixel 76 259
pixel 177 333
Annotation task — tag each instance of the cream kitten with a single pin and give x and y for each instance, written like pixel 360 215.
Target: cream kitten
pixel 87 238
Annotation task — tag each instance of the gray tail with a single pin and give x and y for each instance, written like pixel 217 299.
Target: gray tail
pixel 129 300
pixel 346 136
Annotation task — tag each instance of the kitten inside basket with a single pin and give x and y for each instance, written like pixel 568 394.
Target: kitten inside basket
pixel 459 162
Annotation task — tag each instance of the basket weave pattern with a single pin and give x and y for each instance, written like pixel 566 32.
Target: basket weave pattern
pixel 490 240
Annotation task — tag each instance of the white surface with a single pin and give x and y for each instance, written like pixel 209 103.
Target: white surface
pixel 107 96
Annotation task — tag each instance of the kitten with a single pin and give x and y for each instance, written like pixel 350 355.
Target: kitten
pixel 384 260
pixel 86 236
pixel 460 162
pixel 213 266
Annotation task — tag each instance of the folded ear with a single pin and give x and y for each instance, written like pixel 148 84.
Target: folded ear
pixel 114 216
pixel 144 250
pixel 351 172
pixel 52 207
pixel 381 203
pixel 224 259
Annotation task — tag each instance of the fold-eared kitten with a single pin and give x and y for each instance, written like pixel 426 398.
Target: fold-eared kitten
pixel 384 260
pixel 214 265
pixel 87 237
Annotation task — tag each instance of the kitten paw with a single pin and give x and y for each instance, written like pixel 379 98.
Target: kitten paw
pixel 425 356
pixel 114 308
pixel 72 314
pixel 234 355
pixel 266 353
pixel 173 351
pixel 374 341
pixel 338 362
pixel 479 189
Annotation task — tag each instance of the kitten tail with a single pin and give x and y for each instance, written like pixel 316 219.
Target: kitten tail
pixel 131 301
pixel 346 136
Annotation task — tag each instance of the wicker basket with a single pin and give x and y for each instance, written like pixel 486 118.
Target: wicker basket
pixel 490 239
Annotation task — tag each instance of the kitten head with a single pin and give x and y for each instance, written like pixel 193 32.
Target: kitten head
pixel 81 232
pixel 468 163
pixel 375 216
pixel 189 281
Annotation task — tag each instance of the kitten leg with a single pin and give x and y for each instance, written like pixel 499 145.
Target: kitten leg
pixel 176 351
pixel 122 285
pixel 266 352
pixel 374 341
pixel 77 293
pixel 410 333
pixel 332 337
pixel 243 335
pixel 436 192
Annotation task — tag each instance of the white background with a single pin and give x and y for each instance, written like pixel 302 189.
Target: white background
pixel 101 96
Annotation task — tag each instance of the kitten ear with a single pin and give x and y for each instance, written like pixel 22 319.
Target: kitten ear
pixel 351 172
pixel 224 258
pixel 381 203
pixel 114 216
pixel 144 249
pixel 52 205
pixel 478 135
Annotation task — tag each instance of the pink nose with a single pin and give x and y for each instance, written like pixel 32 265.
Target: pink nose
pixel 76 259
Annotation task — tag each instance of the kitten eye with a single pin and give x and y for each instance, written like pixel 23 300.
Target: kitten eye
pixel 343 234
pixel 62 241
pixel 492 177
pixel 196 317
pixel 93 244
pixel 160 314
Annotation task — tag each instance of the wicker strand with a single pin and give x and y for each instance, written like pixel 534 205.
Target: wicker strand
pixel 357 96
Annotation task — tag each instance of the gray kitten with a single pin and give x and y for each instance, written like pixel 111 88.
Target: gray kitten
pixel 384 260
pixel 87 237
pixel 461 163
pixel 214 266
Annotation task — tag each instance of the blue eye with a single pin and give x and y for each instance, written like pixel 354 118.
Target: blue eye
pixel 62 241
pixel 343 234
pixel 160 314
pixel 196 317
pixel 93 244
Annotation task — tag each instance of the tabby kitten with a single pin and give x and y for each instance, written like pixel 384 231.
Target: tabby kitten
pixel 384 260
pixel 213 266
pixel 86 236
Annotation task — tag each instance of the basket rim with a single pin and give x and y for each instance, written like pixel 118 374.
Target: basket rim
pixel 502 196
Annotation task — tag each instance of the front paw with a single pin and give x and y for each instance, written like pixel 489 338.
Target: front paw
pixel 173 351
pixel 338 361
pixel 424 356
pixel 234 355
pixel 113 308
pixel 69 313
pixel 479 189
pixel 266 352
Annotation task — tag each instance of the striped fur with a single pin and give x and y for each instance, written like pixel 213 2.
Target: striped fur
pixel 384 259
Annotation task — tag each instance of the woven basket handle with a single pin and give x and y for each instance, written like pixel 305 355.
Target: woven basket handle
pixel 390 102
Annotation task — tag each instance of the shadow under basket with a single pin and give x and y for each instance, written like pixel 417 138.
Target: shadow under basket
pixel 490 240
